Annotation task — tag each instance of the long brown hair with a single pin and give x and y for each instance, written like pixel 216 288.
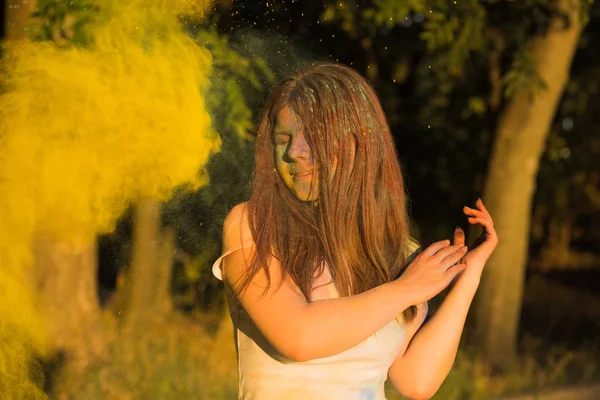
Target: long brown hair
pixel 359 226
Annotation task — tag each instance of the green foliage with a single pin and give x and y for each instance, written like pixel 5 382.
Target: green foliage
pixel 476 106
pixel 199 216
pixel 467 32
pixel 64 20
pixel 236 75
pixel 523 76
pixel 342 13
pixel 458 35
pixel 390 13
pixel 440 30
pixel 356 18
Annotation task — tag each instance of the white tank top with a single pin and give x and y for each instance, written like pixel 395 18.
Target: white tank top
pixel 358 373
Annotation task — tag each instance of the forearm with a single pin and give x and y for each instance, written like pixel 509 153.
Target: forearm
pixel 335 325
pixel 432 351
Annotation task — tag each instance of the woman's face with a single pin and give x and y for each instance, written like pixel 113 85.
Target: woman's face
pixel 293 156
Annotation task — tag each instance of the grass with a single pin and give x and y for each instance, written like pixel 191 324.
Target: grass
pixel 182 358
pixel 173 359
pixel 472 378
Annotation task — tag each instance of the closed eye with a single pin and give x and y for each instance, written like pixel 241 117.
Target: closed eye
pixel 282 139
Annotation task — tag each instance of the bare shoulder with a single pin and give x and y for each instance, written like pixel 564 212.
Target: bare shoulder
pixel 237 215
pixel 236 230
pixel 238 243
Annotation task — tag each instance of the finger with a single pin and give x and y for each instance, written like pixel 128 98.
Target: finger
pixel 435 247
pixel 455 257
pixel 441 255
pixel 476 213
pixel 486 223
pixel 451 272
pixel 473 211
pixel 489 233
pixel 479 204
pixel 459 236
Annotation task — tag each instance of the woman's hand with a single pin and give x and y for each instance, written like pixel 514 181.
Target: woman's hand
pixel 484 245
pixel 433 270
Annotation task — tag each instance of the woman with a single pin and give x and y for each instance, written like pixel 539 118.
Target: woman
pixel 325 289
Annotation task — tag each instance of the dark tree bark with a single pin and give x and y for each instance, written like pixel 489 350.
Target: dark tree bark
pixel 510 185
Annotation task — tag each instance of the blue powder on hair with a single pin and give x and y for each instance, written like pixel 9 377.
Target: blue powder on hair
pixel 363 94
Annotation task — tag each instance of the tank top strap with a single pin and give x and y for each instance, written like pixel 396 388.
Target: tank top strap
pixel 217 269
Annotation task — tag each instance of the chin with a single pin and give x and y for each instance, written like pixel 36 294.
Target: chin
pixel 305 197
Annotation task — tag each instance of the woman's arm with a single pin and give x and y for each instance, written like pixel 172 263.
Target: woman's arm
pixel 303 331
pixel 420 371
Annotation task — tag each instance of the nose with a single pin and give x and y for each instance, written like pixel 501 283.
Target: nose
pixel 299 148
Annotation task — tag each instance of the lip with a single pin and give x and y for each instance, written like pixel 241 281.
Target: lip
pixel 303 175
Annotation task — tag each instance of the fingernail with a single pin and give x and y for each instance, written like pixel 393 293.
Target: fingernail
pixel 458 228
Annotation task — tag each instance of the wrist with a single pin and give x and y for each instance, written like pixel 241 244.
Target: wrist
pixel 405 294
pixel 469 279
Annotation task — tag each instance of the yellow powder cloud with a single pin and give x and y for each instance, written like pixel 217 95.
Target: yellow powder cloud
pixel 84 132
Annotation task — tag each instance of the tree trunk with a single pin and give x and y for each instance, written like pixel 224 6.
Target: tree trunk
pixel 65 278
pixel 510 185
pixel 164 269
pixel 146 287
